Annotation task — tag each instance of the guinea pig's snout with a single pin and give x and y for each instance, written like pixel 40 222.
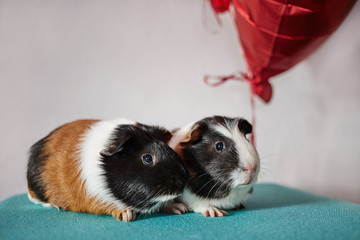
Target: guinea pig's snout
pixel 250 169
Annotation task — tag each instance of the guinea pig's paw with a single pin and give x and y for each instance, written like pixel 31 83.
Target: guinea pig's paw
pixel 126 214
pixel 177 208
pixel 211 211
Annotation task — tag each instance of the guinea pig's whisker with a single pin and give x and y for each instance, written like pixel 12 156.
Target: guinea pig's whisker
pixel 219 188
pixel 233 158
pixel 146 200
pixel 220 174
pixel 204 186
pixel 152 196
pixel 137 206
pixel 265 173
pixel 143 215
pixel 211 189
pixel 158 193
pixel 265 170
pixel 266 156
pixel 200 176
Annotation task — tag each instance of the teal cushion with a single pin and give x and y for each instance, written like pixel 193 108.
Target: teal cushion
pixel 272 212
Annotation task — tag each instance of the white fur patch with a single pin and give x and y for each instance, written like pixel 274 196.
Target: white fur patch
pixel 153 209
pixel 198 204
pixel 37 201
pixel 159 202
pixel 165 198
pixel 94 141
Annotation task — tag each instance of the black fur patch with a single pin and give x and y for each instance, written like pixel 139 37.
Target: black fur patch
pixel 135 183
pixel 36 161
pixel 206 186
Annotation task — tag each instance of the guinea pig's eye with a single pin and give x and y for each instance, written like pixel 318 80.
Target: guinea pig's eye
pixel 147 158
pixel 219 146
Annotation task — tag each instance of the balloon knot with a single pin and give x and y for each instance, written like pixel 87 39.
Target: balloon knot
pixel 220 6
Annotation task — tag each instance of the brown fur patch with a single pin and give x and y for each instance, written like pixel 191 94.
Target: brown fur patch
pixel 64 187
pixel 178 149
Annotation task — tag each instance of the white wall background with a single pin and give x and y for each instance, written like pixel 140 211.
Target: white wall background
pixel 64 60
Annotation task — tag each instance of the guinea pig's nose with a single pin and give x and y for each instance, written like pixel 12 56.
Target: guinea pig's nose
pixel 250 169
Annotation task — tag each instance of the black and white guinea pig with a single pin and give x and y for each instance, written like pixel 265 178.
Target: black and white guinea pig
pixel 222 164
pixel 117 168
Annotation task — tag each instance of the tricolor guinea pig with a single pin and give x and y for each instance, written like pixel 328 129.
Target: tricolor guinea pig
pixel 222 164
pixel 117 168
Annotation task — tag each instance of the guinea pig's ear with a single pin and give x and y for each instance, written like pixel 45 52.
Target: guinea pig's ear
pixel 162 134
pixel 115 147
pixel 195 134
pixel 167 135
pixel 158 133
pixel 244 126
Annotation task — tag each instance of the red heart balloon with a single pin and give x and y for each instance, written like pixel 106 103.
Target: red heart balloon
pixel 277 34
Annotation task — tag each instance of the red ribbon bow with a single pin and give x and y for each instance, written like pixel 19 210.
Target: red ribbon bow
pixel 261 88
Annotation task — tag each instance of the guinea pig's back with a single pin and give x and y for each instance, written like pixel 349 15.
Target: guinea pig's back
pixel 54 168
